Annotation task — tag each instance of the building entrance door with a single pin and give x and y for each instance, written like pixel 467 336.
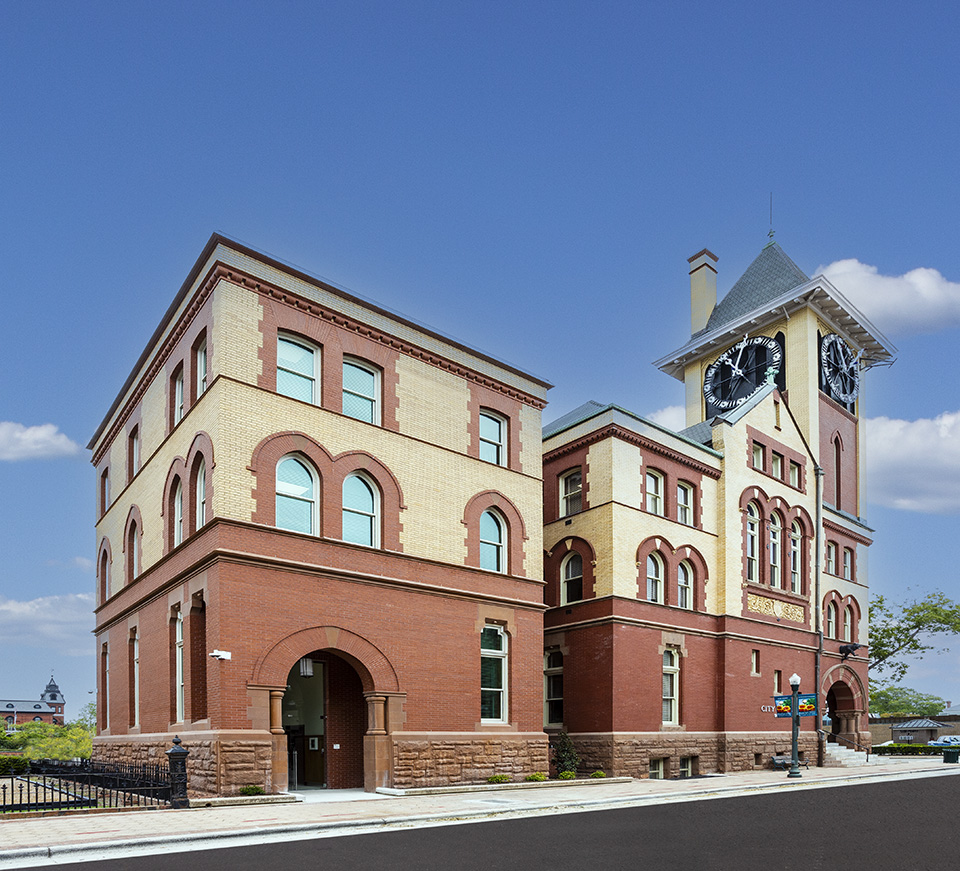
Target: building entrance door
pixel 305 722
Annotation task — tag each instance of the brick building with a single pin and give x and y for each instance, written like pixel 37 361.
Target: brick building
pixel 682 571
pixel 318 526
pixel 47 709
pixel 321 559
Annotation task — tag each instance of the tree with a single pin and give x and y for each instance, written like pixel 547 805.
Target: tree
pixel 904 701
pixel 48 741
pixel 901 631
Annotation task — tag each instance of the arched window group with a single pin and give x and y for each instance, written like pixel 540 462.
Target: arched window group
pixel 672 576
pixel 186 503
pixel 840 618
pixel 774 547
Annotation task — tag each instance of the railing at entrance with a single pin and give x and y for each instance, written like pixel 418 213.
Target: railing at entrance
pixel 838 737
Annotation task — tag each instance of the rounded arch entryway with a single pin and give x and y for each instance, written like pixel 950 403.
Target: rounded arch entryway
pixel 844 705
pixel 331 697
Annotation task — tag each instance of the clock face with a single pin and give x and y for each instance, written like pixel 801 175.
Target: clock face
pixel 840 368
pixel 740 371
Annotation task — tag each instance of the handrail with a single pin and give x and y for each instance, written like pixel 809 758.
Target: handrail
pixel 839 737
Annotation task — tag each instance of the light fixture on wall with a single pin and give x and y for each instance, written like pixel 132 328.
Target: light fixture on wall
pixel 306 667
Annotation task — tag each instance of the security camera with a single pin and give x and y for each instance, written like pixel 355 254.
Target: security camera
pixel 220 654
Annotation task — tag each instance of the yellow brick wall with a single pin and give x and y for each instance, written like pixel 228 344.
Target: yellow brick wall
pixel 433 404
pixel 531 441
pixel 236 332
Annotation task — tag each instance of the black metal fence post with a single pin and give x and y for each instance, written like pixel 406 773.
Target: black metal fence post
pixel 177 759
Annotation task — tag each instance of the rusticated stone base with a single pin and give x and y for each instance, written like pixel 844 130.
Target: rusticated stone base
pixel 425 760
pixel 219 762
pixel 629 754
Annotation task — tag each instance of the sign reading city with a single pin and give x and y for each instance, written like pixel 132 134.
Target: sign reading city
pixel 806 704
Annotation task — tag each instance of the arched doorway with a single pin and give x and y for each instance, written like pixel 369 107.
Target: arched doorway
pixel 324 716
pixel 845 706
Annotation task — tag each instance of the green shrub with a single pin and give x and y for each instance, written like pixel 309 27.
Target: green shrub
pixel 565 756
pixel 907 750
pixel 598 773
pixel 498 778
pixel 14 765
pixel 567 775
pixel 537 777
pixel 252 789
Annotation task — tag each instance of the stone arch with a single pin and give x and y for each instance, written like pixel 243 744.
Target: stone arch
pixel 516 530
pixel 375 669
pixel 553 560
pixel 263 465
pixel 844 702
pixel 176 472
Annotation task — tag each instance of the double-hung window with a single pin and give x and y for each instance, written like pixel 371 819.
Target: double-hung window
pixel 178 513
pixel 571 493
pixel 361 391
pixel 361 511
pixel 654 578
pixel 553 688
pixel 848 564
pixel 178 671
pixel 493 675
pixel 753 543
pixel 654 493
pixel 685 504
pixel 493 431
pixel 492 542
pixel 776 549
pixel 298 370
pixel 796 541
pixel 201 366
pixel 831 566
pixel 200 477
pixel 296 496
pixel 830 629
pixel 684 586
pixel 572 584
pixel 671 686
pixel 178 399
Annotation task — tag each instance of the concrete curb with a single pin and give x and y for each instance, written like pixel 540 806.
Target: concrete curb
pixel 102 850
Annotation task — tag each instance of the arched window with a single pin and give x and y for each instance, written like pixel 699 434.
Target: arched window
pixel 848 624
pixel 492 542
pixel 298 372
pixel 685 585
pixel 361 391
pixel 830 629
pixel 776 549
pixel 177 513
pixel 361 511
pixel 296 496
pixel 796 561
pixel 753 543
pixel 104 576
pixel 133 551
pixel 837 453
pixel 655 578
pixel 571 589
pixel 104 491
pixel 200 489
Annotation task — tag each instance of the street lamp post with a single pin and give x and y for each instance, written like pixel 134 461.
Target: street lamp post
pixel 795 708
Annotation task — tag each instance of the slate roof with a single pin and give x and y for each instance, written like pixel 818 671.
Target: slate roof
pixel 770 275
pixel 919 724
pixel 702 433
pixel 578 415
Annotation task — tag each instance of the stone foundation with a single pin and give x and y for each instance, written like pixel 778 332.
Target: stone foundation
pixel 439 761
pixel 629 754
pixel 218 764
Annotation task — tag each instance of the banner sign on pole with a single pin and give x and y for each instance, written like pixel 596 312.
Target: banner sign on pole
pixel 806 703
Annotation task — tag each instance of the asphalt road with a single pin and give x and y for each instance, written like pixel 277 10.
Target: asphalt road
pixel 893 826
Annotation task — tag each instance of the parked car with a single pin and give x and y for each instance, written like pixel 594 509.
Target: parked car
pixel 945 741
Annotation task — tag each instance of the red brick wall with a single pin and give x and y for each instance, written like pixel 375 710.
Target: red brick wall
pixel 346 724
pixel 836 421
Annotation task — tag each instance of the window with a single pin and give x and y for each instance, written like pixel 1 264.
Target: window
pixel 572 584
pixel 571 493
pixel 830 629
pixel 848 624
pixel 133 552
pixel 757 456
pixel 491 542
pixel 297 370
pixel 133 453
pixel 794 474
pixel 178 513
pixel 296 496
pixel 831 566
pixel 776 465
pixel 777 682
pixel 201 493
pixel 654 578
pixel 104 576
pixel 105 685
pixel 134 678
pixel 655 493
pixel 178 662
pixel 200 359
pixel 687 766
pixel 685 586
pixel 361 392
pixel 493 674
pixel 753 543
pixel 361 510
pixel 776 549
pixel 685 504
pixel 754 662
pixel 493 431
pixel 657 768
pixel 796 541
pixel 178 395
pixel 104 491
pixel 671 677
pixel 553 688
pixel 848 564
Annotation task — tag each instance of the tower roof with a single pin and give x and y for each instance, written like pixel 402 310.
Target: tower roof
pixel 771 275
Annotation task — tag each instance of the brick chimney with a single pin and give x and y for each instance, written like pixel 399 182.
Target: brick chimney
pixel 703 288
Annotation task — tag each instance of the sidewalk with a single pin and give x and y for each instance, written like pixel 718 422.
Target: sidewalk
pixel 324 813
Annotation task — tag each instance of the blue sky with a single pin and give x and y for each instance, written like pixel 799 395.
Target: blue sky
pixel 526 177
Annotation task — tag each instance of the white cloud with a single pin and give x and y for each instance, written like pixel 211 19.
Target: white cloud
pixel 672 417
pixel 19 442
pixel 61 624
pixel 920 301
pixel 915 464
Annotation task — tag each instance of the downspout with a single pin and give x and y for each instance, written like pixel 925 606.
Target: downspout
pixel 818 626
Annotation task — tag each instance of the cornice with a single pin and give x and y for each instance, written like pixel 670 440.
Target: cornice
pixel 618 432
